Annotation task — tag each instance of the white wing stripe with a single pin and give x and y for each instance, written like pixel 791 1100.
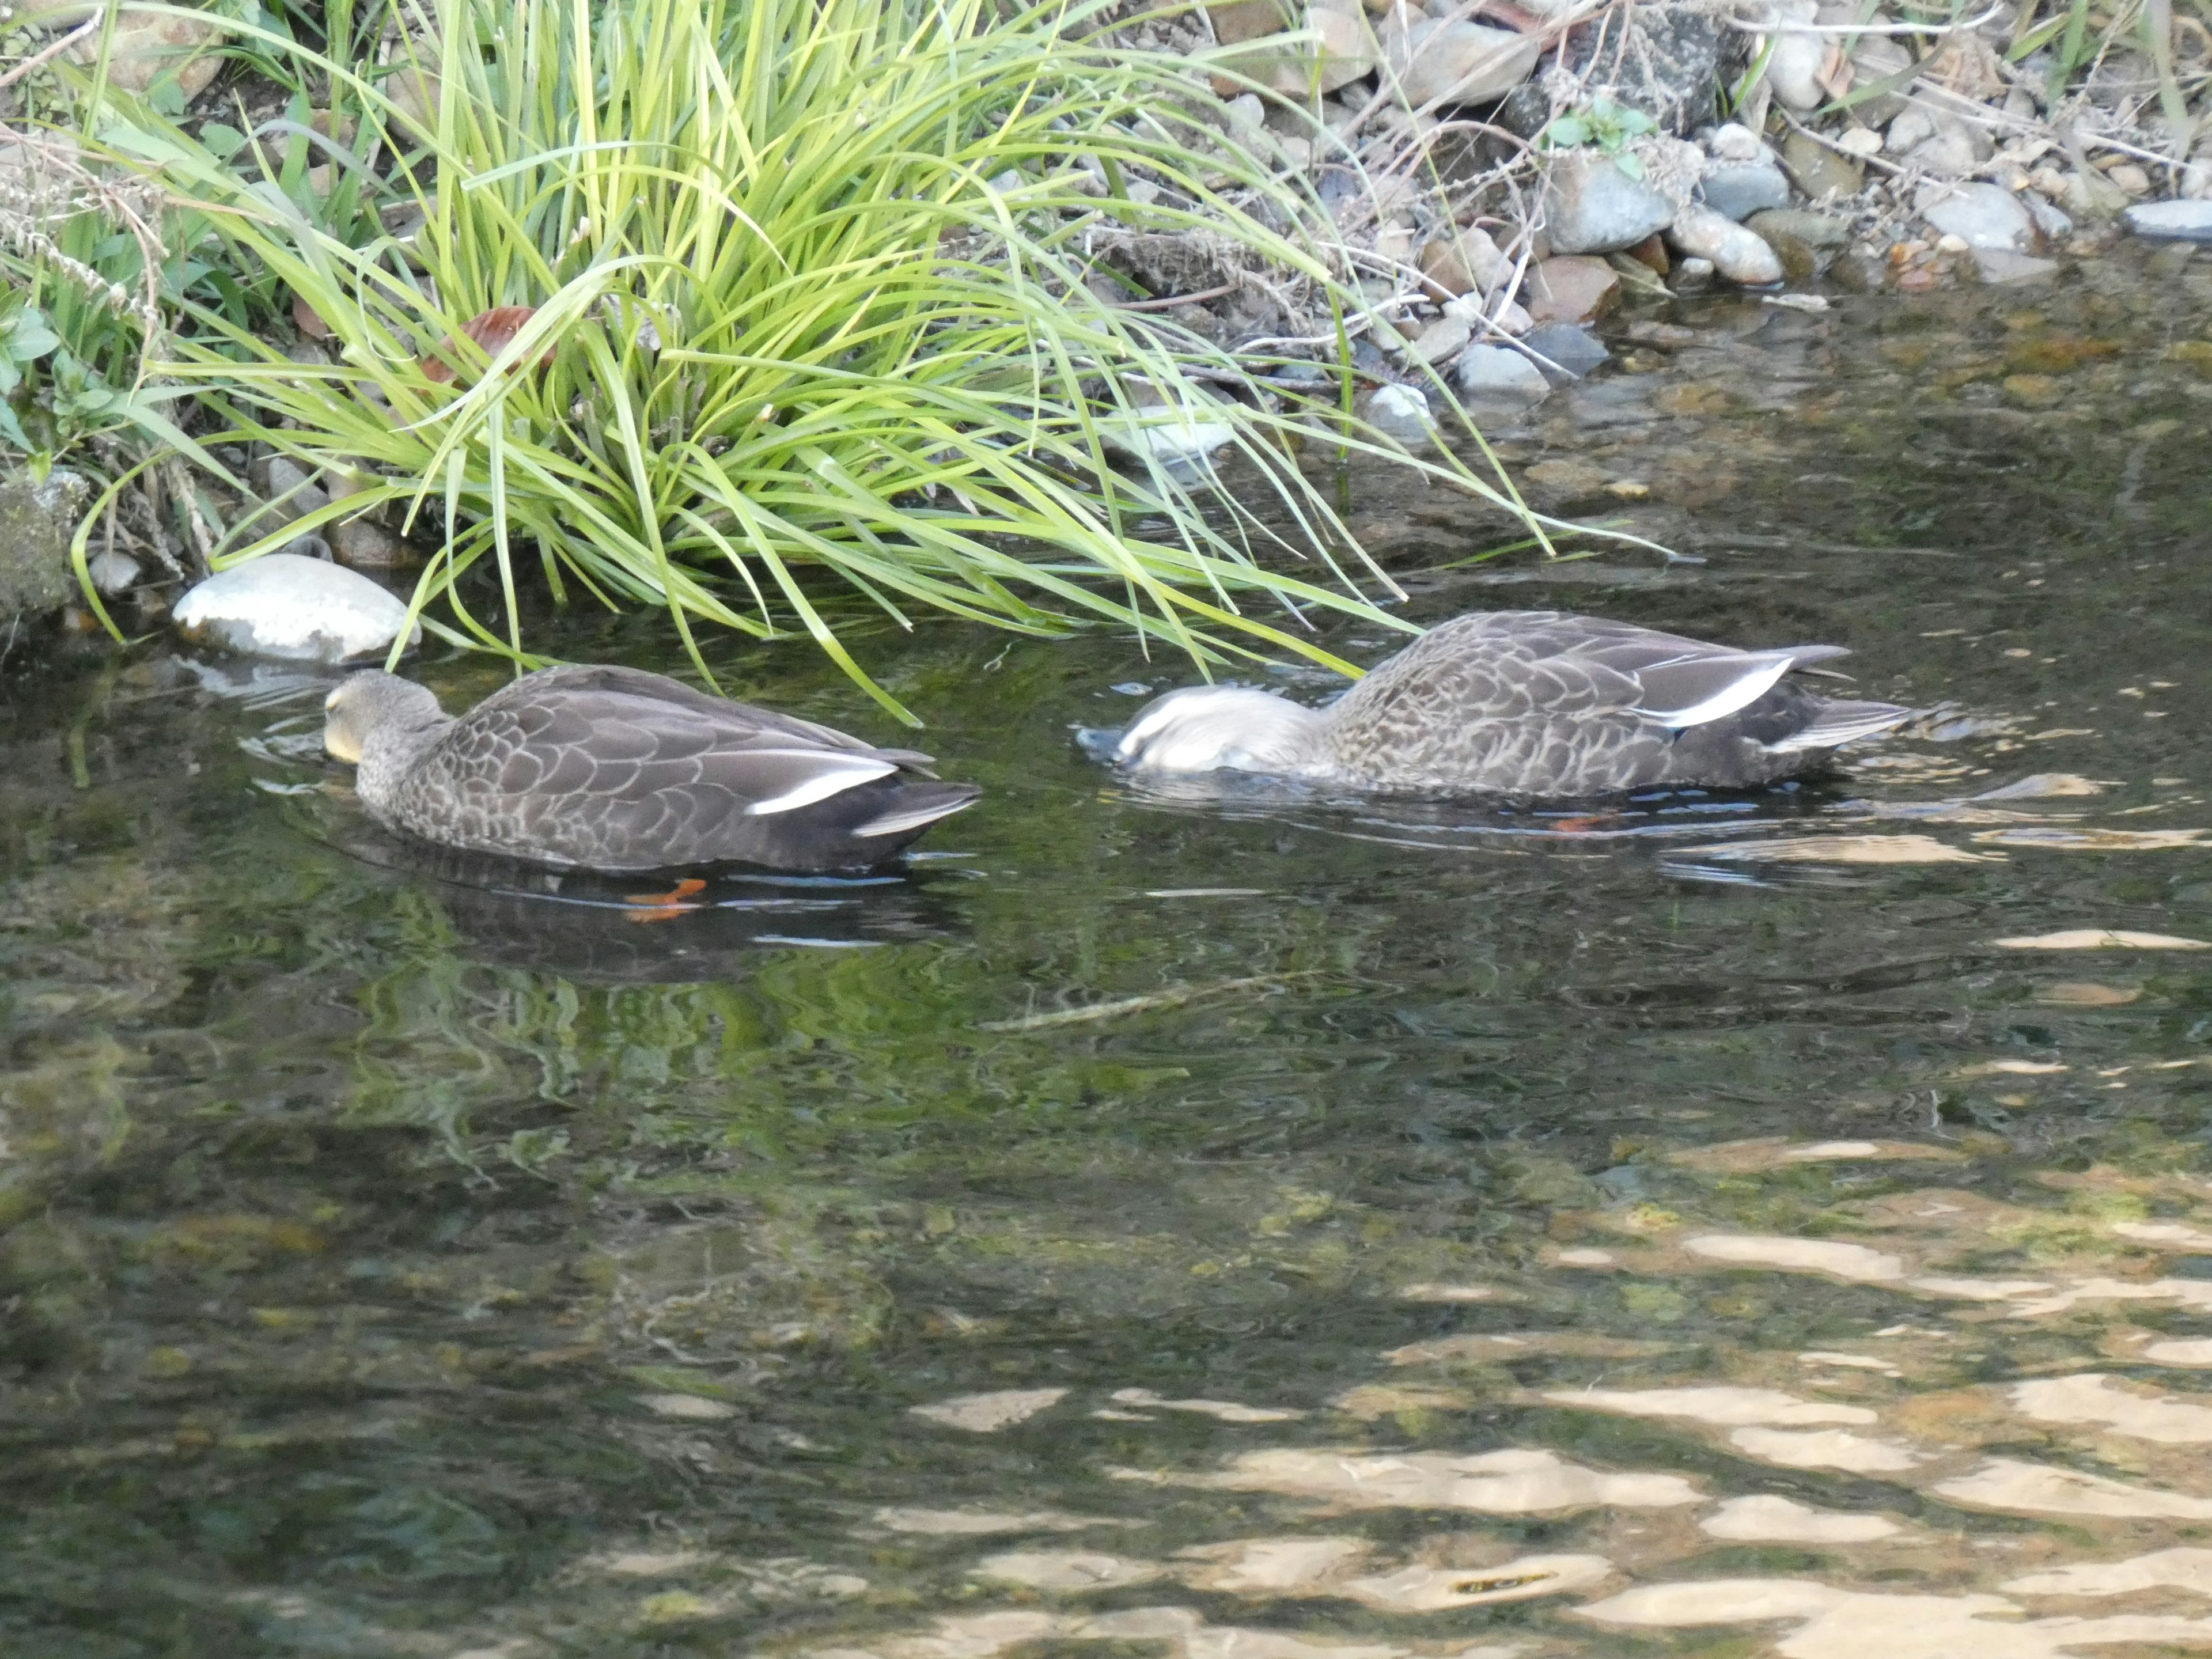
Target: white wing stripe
pixel 1737 694
pixel 836 772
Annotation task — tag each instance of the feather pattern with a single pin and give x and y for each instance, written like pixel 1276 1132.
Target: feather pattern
pixel 615 769
pixel 1527 702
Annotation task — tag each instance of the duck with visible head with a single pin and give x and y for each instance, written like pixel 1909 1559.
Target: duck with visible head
pixel 617 770
pixel 1531 703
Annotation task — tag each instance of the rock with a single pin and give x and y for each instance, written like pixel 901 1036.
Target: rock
pixel 1348 47
pixel 1876 58
pixel 1819 230
pixel 1952 150
pixel 1570 288
pixel 1401 412
pixel 2170 222
pixel 1739 189
pixel 1456 63
pixel 280 605
pixel 1566 353
pixel 1236 21
pixel 1664 60
pixel 1247 116
pixel 1982 215
pixel 37 521
pixel 1463 261
pixel 1794 60
pixel 1910 126
pixel 365 544
pixel 1590 206
pixel 1499 377
pixel 2090 195
pixel 1737 254
pixel 289 488
pixel 1819 171
pixel 1181 433
pixel 1296 68
pixel 1691 273
pixel 145 48
pixel 1859 141
pixel 112 571
pixel 1999 266
pixel 1442 341
pixel 2049 223
pixel 1652 252
pixel 1732 142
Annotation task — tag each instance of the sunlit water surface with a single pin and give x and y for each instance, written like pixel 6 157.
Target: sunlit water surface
pixel 1286 1230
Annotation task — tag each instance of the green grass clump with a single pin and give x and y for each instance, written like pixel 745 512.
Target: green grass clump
pixel 814 289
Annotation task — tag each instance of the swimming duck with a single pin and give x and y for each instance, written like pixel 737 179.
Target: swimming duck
pixel 1522 702
pixel 615 769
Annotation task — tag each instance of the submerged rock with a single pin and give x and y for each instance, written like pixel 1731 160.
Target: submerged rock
pixel 299 609
pixel 1497 377
pixel 1571 289
pixel 1571 352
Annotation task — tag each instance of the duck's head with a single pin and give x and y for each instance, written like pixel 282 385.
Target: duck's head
pixel 1217 728
pixel 364 702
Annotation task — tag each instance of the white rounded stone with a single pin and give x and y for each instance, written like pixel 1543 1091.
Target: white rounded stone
pixel 297 608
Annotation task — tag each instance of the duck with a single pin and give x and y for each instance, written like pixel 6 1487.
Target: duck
pixel 596 767
pixel 1530 704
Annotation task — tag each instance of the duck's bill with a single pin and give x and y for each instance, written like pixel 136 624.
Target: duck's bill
pixel 1101 743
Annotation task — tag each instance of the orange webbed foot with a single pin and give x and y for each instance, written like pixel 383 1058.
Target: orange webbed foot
pixel 664 907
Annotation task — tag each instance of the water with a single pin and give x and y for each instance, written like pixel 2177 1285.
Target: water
pixel 1187 1228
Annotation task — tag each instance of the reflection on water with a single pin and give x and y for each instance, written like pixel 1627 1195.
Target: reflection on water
pixel 1278 1227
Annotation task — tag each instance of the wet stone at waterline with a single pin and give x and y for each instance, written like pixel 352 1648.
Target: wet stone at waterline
pixel 1760 1225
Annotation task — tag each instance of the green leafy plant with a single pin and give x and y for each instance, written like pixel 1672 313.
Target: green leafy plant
pixel 787 288
pixel 1605 124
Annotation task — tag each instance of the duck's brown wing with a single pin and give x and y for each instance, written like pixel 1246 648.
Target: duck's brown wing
pixel 588 766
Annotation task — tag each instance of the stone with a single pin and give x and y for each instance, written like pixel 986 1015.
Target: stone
pixel 1236 21
pixel 1692 272
pixel 1565 352
pixel 1442 341
pixel 2170 222
pixel 1349 46
pixel 1498 377
pixel 1739 189
pixel 1247 115
pixel 298 610
pixel 1456 63
pixel 1794 60
pixel 2050 223
pixel 1982 215
pixel 1664 60
pixel 1952 150
pixel 1570 288
pixel 365 544
pixel 1818 171
pixel 37 521
pixel 145 48
pixel 112 571
pixel 1876 58
pixel 1590 206
pixel 1909 127
pixel 1463 261
pixel 1819 230
pixel 2129 177
pixel 1732 142
pixel 1859 141
pixel 289 488
pixel 1292 66
pixel 1183 432
pixel 1737 254
pixel 2000 265
pixel 1401 412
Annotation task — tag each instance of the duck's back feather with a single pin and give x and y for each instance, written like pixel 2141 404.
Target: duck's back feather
pixel 614 769
pixel 1543 702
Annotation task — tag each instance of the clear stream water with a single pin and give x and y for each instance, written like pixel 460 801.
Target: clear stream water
pixel 1196 1229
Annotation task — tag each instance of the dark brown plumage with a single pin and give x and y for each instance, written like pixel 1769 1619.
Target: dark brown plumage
pixel 1523 703
pixel 615 769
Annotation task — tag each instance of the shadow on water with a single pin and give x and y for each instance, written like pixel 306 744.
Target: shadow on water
pixel 1293 1229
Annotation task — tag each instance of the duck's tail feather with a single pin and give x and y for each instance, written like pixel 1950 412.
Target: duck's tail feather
pixel 1835 724
pixel 918 805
